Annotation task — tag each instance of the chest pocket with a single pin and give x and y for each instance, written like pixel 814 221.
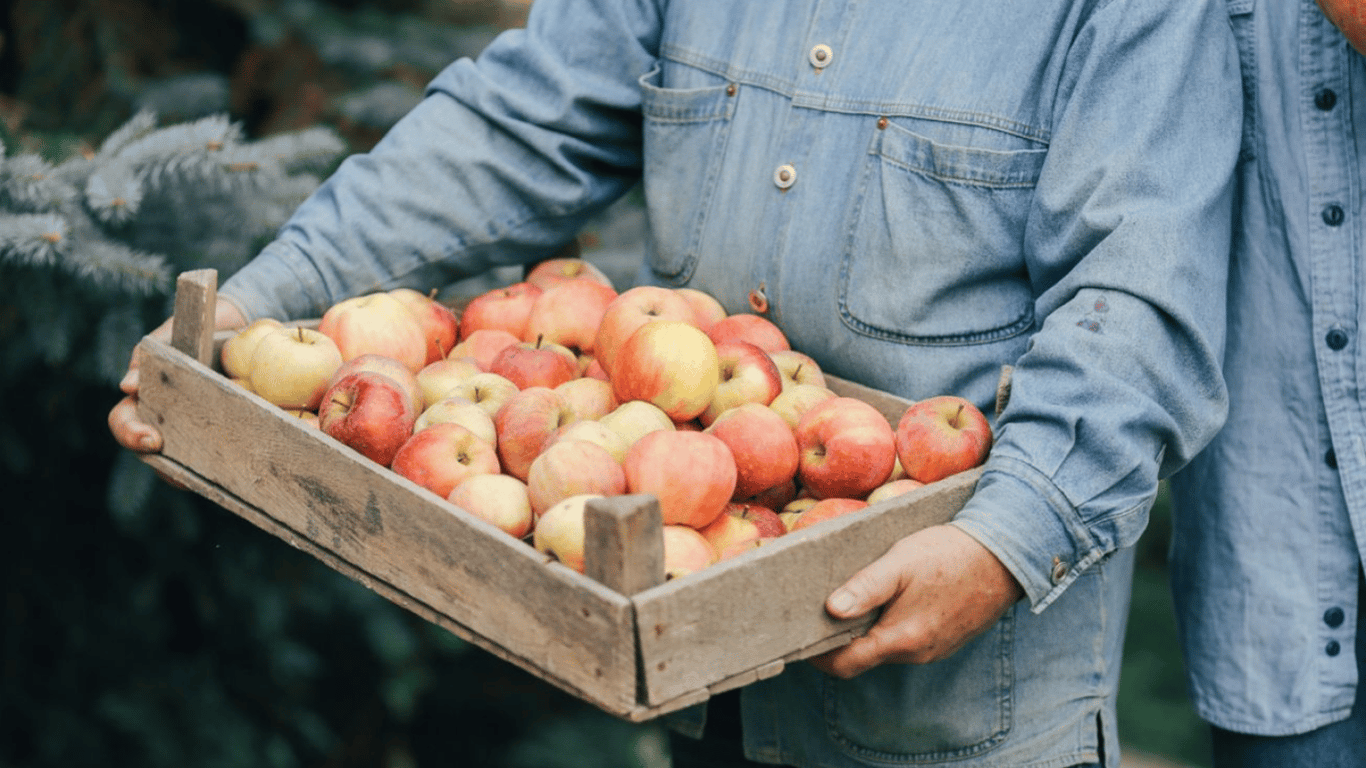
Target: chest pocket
pixel 1240 18
pixel 934 252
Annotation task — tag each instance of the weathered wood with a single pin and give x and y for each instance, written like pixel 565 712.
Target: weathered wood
pixel 196 299
pixel 887 404
pixel 575 632
pixel 713 625
pixel 624 543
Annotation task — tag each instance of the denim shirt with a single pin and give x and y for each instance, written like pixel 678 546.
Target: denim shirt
pixel 922 192
pixel 1270 520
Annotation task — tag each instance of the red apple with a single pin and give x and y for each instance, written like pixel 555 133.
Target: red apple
pixel 893 488
pixel 369 412
pixel 235 357
pixel 747 375
pixel 525 425
pixel 777 497
pixel 505 309
pixel 706 310
pixel 590 398
pixel 764 447
pixel 685 552
pixel 826 509
pixel 757 330
pixel 552 272
pixel 389 367
pixel 458 410
pixel 632 309
pixel 439 324
pixel 941 436
pixel 538 363
pixel 441 456
pixel 569 314
pixel 597 433
pixel 741 523
pixel 484 345
pixel 670 364
pixel 376 323
pixel 498 499
pixel 797 368
pixel 559 532
pixel 847 448
pixel 486 390
pixel 291 367
pixel 590 368
pixel 437 379
pixel 692 474
pixel 570 468
pixel 796 400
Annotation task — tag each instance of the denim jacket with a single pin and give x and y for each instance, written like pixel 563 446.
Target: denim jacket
pixel 1270 521
pixel 919 192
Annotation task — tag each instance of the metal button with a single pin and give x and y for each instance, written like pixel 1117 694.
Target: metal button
pixel 1333 617
pixel 820 56
pixel 1336 339
pixel 1333 215
pixel 1059 570
pixel 785 176
pixel 731 89
pixel 1331 459
pixel 1325 99
pixel 881 123
pixel 758 300
pixel 1333 648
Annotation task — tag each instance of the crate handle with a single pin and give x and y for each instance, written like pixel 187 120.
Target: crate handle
pixel 196 302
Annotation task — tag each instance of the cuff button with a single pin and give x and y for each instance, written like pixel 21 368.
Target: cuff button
pixel 1059 570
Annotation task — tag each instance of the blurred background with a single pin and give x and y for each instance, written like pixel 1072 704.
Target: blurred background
pixel 144 626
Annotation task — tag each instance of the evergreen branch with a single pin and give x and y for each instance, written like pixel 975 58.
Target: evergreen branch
pixel 141 124
pixel 28 183
pixel 116 267
pixel 32 239
pixel 311 149
pixel 114 193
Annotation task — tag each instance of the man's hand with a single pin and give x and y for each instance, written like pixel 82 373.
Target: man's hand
pixel 131 431
pixel 1350 17
pixel 940 588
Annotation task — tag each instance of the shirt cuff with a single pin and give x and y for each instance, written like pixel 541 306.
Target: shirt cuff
pixel 280 283
pixel 1027 523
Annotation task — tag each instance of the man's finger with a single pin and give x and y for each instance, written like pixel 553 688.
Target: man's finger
pixel 129 430
pixel 871 587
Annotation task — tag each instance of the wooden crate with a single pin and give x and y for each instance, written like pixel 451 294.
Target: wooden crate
pixel 619 637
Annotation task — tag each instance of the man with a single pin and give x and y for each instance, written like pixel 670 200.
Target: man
pixel 917 193
pixel 1270 521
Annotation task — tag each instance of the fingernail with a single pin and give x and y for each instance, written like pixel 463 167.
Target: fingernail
pixel 842 601
pixel 147 443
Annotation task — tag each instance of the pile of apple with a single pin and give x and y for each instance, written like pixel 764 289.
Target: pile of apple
pixel 556 390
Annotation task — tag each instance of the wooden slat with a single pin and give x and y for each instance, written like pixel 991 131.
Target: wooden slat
pixel 722 622
pixel 562 625
pixel 624 543
pixel 196 298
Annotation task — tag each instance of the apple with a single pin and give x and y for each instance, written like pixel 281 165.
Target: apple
pixel 685 552
pixel 486 390
pixel 706 310
pixel 439 324
pixel 308 417
pixel 744 326
pixel 369 412
pixel 439 457
pixel 525 425
pixel 893 488
pixel 538 363
pixel 569 313
pixel 597 433
pixel 747 375
pixel 739 524
pixel 692 474
pixel 484 345
pixel 634 419
pixel 796 400
pixel 437 379
pixel 847 448
pixel 291 367
pixel 941 436
pixel 389 367
pixel 671 364
pixel 458 410
pixel 376 323
pixel 590 368
pixel 559 531
pixel 505 309
pixel 797 368
pixel 570 468
pixel 235 356
pixel 591 398
pixel 631 309
pixel 764 447
pixel 552 272
pixel 777 497
pixel 825 509
pixel 498 499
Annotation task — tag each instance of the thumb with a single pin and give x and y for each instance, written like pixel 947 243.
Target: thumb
pixel 870 588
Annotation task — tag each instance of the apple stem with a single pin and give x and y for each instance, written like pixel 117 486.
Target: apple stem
pixel 957 419
pixel 539 337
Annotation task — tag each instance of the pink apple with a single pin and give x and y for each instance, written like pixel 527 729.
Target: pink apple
pixel 369 412
pixel 498 499
pixel 439 457
pixel 484 345
pixel 568 314
pixel 747 375
pixel 692 474
pixel 941 436
pixel 893 488
pixel 741 523
pixel 552 272
pixel 597 433
pixel 706 310
pixel 486 390
pixel 590 398
pixel 291 367
pixel 559 532
pixel 235 356
pixel 538 363
pixel 437 379
pixel 764 447
pixel 632 309
pixel 389 367
pixel 776 497
pixel 796 400
pixel 570 468
pixel 525 425
pixel 685 551
pixel 797 368
pixel 439 324
pixel 376 323
pixel 590 368
pixel 458 410
pixel 755 329
pixel 635 419
pixel 505 309
pixel 670 364
pixel 826 509
pixel 308 417
pixel 847 448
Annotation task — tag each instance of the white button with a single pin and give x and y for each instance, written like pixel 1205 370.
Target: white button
pixel 785 176
pixel 820 56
